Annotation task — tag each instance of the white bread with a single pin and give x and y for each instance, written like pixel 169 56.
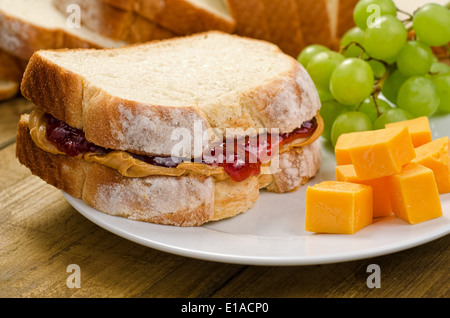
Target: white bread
pixel 115 23
pixel 178 201
pixel 182 17
pixel 30 25
pixel 8 89
pixel 133 98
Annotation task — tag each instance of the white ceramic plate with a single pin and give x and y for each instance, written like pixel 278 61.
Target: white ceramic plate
pixel 272 232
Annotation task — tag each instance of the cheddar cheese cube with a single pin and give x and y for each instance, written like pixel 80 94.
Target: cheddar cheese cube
pixel 435 156
pixel 338 207
pixel 342 148
pixel 380 186
pixel 380 153
pixel 419 129
pixel 414 194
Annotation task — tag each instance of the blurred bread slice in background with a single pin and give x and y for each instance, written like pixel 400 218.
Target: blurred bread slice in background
pixel 344 11
pixel 30 25
pixel 11 67
pixel 8 89
pixel 115 23
pixel 183 17
pixel 285 26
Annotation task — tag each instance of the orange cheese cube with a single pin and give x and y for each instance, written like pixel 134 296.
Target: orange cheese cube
pixel 342 148
pixel 419 129
pixel 338 207
pixel 381 201
pixel 435 156
pixel 414 194
pixel 380 153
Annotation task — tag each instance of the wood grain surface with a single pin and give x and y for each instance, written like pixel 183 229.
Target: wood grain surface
pixel 41 235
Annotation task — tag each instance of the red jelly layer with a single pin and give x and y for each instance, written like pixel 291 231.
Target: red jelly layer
pixel 240 163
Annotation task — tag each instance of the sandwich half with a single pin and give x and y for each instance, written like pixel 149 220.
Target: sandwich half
pixel 178 132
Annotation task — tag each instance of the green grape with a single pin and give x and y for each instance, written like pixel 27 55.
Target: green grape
pixel 385 40
pixel 368 107
pixel 349 122
pixel 352 81
pixel 415 59
pixel 378 68
pixel 418 96
pixel 442 82
pixel 431 24
pixel 353 35
pixel 329 111
pixel 439 67
pixel 321 66
pixel 364 11
pixel 392 86
pixel 393 115
pixel 325 96
pixel 310 51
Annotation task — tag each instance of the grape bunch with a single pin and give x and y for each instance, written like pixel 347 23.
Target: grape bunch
pixel 387 69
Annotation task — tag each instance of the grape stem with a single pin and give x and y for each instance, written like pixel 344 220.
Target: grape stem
pixel 344 48
pixel 410 16
pixel 378 87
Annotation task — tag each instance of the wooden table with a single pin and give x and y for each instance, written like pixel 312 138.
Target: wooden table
pixel 41 235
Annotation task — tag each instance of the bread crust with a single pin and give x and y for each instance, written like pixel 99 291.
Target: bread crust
pixel 315 23
pixel 345 16
pixel 182 17
pixel 284 103
pixel 250 17
pixel 285 25
pixel 177 201
pixel 116 23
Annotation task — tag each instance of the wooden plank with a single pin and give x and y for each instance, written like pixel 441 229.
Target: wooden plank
pixel 417 272
pixel 10 112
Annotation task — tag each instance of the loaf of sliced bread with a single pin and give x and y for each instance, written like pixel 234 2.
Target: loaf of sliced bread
pixel 116 23
pixel 30 25
pixel 133 98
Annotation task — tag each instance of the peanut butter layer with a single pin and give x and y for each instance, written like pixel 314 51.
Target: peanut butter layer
pixel 129 166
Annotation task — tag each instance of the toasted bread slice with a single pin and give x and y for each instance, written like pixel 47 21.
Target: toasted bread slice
pixel 116 23
pixel 133 98
pixel 30 25
pixel 178 201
